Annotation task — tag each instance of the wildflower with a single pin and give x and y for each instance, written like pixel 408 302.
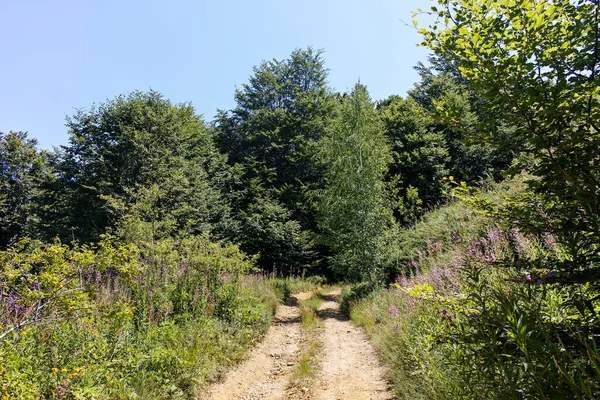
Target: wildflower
pixel 54 370
pixel 474 315
pixel 528 278
pixel 521 243
pixel 494 236
pixel 62 390
pixel 394 311
pixel 549 240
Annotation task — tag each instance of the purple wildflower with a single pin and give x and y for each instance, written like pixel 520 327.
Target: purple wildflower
pixel 62 389
pixel 549 240
pixel 495 236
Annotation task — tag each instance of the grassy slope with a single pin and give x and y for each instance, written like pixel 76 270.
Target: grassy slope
pixel 401 330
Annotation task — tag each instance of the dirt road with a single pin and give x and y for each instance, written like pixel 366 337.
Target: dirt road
pixel 349 368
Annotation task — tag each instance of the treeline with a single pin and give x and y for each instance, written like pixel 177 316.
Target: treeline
pixel 303 176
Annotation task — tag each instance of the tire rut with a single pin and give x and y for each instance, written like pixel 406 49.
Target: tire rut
pixel 350 369
pixel 266 372
pixel 348 365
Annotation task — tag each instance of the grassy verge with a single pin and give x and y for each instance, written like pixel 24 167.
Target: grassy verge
pixel 308 363
pixel 477 312
pixel 146 338
pixel 107 357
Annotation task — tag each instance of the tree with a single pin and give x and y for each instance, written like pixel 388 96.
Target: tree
pixel 22 171
pixel 420 156
pixel 433 133
pixel 269 231
pixel 455 111
pixel 354 209
pixel 272 133
pixel 121 149
pixel 537 64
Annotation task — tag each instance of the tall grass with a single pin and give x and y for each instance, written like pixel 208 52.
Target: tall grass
pixel 477 313
pixel 157 320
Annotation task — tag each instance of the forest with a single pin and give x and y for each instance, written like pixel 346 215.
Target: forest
pixel 145 257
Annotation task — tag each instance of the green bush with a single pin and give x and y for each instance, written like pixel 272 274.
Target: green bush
pixel 486 317
pixel 123 321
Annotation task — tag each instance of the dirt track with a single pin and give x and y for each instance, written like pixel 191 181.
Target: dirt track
pixel 349 368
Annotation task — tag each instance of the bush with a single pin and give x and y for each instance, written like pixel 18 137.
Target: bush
pixel 122 321
pixel 486 317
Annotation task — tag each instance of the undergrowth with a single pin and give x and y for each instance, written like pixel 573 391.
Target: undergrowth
pixel 121 321
pixel 479 312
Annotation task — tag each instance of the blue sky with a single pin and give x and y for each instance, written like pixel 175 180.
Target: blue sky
pixel 61 55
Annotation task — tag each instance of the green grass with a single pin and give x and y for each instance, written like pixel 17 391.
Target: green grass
pixel 466 324
pixel 285 287
pixel 98 357
pixel 309 311
pixel 308 363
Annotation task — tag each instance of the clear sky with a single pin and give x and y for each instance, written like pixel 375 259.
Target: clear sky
pixel 61 55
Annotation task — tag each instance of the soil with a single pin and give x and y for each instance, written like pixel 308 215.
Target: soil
pixel 349 368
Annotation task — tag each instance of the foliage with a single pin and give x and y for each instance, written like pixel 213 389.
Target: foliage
pixel 280 116
pixel 354 211
pixel 433 134
pixel 44 284
pixel 269 230
pixel 485 316
pixel 547 55
pixel 420 156
pixel 120 149
pixel 22 171
pixel 455 110
pixel 118 321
